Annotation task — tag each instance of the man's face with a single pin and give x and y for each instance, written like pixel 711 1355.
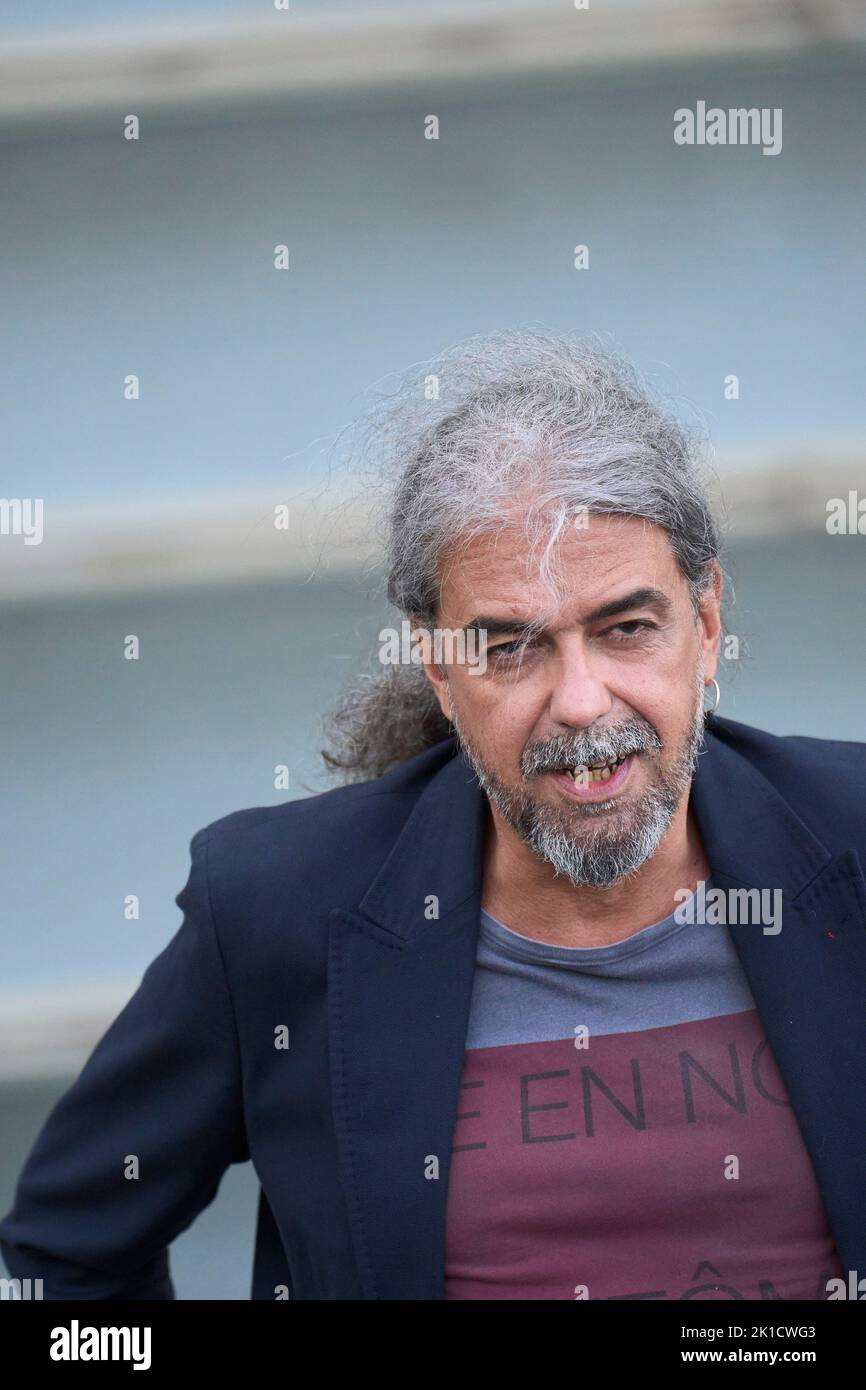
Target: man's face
pixel 608 668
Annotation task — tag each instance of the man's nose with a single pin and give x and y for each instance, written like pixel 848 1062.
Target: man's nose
pixel 578 695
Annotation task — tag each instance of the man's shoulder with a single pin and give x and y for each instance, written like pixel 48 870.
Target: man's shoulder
pixel 822 779
pixel 336 837
pixel 799 751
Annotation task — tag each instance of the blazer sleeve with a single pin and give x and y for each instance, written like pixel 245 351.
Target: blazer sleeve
pixel 163 1087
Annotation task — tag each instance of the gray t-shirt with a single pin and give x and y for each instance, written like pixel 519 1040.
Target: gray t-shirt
pixel 624 1131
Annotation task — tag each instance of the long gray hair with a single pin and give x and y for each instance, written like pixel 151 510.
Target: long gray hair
pixel 522 428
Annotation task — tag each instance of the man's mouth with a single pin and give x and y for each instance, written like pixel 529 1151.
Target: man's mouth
pixel 595 772
pixel 595 781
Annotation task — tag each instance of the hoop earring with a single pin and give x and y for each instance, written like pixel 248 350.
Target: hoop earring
pixel 718 697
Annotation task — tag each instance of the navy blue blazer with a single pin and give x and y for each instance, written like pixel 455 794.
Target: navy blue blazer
pixel 310 916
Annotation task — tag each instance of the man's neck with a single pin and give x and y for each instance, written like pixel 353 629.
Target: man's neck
pixel 521 889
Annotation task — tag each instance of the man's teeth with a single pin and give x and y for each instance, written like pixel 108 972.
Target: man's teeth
pixel 595 772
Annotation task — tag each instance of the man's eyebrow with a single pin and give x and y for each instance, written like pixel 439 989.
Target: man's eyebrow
pixel 638 598
pixel 499 627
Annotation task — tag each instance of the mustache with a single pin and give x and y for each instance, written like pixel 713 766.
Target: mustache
pixel 604 746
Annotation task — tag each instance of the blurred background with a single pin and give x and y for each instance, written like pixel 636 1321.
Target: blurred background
pixel 304 126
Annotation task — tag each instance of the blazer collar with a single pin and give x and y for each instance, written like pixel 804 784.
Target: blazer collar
pixel 439 852
pixel 750 833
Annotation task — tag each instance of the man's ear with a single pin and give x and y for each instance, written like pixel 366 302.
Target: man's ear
pixel 710 621
pixel 439 681
pixel 436 674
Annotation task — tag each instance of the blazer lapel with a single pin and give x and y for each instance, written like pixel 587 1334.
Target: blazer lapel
pixel 399 990
pixel 809 979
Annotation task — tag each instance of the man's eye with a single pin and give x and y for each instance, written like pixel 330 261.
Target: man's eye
pixel 508 651
pixel 635 627
pixel 628 631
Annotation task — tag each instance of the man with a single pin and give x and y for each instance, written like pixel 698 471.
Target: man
pixel 471 1015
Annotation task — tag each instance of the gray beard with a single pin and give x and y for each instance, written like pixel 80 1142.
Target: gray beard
pixel 610 852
